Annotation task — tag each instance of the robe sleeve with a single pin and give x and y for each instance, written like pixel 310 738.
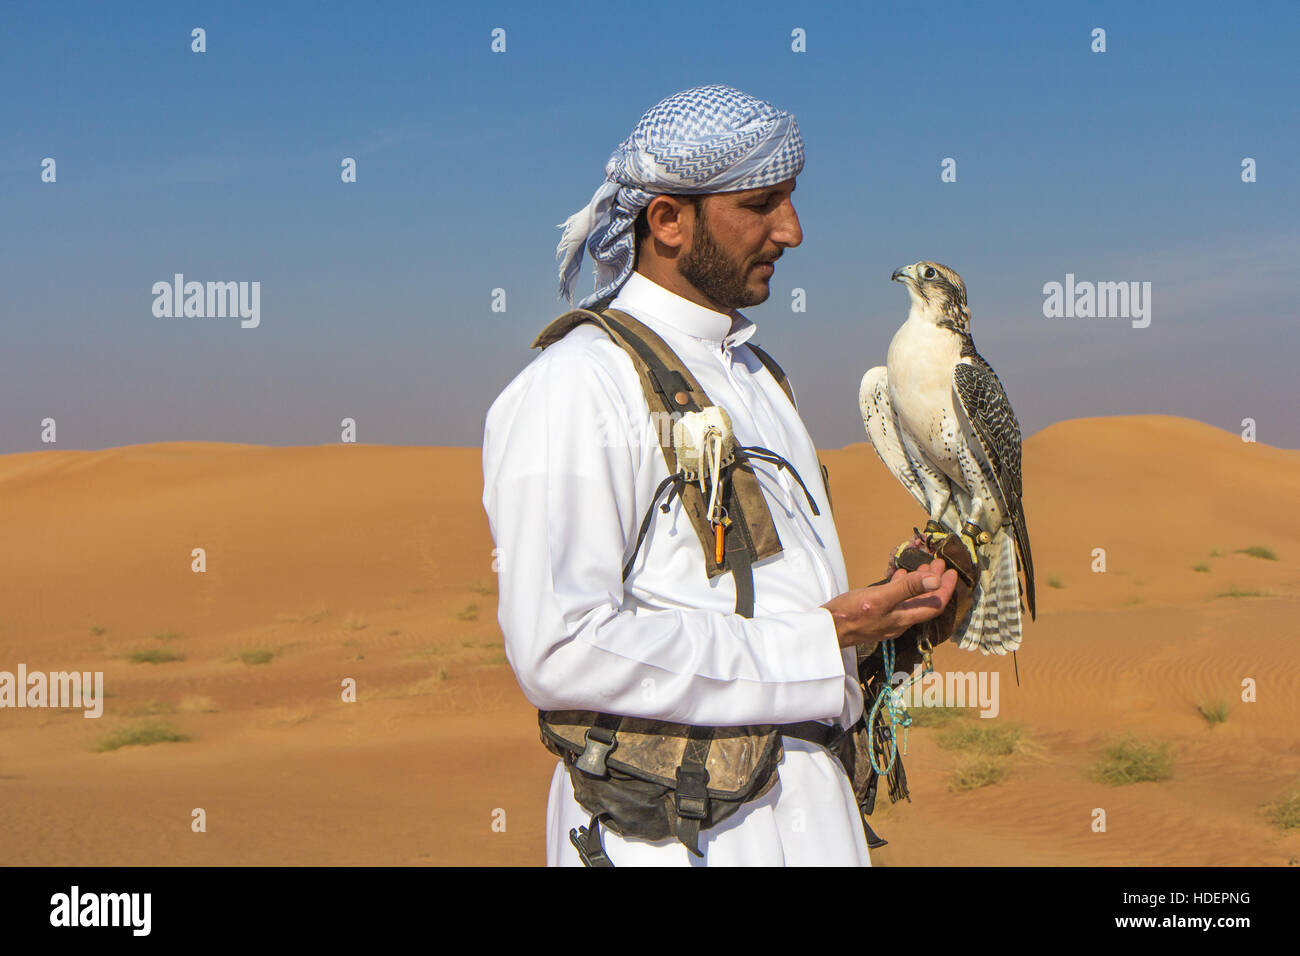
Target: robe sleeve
pixel 560 481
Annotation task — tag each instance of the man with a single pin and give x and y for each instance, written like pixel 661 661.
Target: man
pixel 695 211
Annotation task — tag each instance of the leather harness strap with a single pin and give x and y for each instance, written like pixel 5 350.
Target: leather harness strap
pixel 675 390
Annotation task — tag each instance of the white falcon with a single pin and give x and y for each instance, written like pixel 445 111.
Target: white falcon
pixel 940 421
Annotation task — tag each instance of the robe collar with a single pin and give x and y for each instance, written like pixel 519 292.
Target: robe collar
pixel 656 307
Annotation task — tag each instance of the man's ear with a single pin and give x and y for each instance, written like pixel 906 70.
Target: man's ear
pixel 671 220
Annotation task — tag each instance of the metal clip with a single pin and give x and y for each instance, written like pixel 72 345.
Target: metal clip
pixel 927 654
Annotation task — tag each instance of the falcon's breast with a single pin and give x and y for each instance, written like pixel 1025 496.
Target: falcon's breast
pixel 920 362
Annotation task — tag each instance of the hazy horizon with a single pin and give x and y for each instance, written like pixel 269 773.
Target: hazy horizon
pixel 61 446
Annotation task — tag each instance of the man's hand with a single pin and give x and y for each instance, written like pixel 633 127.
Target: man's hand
pixel 883 611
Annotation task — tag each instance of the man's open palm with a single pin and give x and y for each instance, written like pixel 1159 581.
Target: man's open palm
pixel 883 611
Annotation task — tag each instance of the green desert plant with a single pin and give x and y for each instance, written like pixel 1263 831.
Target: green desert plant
pixel 1257 551
pixel 155 655
pixel 937 716
pixel 469 613
pixel 140 734
pixel 260 656
pixel 1133 761
pixel 1285 814
pixel 1214 710
pixel 1054 582
pixel 1203 568
pixel 980 772
pixel 982 738
pixel 1235 592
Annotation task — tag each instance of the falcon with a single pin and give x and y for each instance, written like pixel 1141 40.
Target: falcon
pixel 940 421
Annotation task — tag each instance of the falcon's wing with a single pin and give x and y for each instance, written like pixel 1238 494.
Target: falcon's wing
pixel 883 429
pixel 994 435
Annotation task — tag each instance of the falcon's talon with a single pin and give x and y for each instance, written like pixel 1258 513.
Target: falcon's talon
pixel 935 539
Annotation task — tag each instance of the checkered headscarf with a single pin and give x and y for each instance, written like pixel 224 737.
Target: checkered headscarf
pixel 709 139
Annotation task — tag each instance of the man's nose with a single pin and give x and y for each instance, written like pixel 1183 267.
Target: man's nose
pixel 788 232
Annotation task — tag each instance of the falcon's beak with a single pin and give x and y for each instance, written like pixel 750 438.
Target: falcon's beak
pixel 900 273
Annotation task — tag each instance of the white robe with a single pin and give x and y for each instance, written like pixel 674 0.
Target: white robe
pixel 570 462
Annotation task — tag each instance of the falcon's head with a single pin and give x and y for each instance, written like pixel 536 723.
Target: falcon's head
pixel 937 294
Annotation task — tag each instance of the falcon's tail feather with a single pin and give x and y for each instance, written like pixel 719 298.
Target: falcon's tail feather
pixel 994 625
pixel 969 637
pixel 1009 594
pixel 1026 557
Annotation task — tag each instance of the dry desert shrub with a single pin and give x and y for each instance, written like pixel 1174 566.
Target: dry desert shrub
pixel 976 773
pixel 1213 709
pixel 1259 551
pixel 141 734
pixel 155 655
pixel 1133 761
pixel 981 738
pixel 1285 814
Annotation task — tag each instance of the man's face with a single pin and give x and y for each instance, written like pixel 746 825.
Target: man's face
pixel 735 238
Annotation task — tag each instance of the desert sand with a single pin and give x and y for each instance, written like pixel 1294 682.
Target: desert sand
pixel 375 563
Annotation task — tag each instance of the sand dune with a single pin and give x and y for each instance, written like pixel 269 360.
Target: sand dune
pixel 374 563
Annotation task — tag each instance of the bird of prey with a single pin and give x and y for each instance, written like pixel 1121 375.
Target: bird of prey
pixel 940 421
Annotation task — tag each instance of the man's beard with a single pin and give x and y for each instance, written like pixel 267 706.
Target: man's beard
pixel 707 267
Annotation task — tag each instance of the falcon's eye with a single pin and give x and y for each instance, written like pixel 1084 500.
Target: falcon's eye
pixel 929 272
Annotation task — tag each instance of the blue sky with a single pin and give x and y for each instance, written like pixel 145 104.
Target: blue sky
pixel 376 296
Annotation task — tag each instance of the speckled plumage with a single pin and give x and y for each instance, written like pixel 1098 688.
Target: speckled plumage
pixel 940 420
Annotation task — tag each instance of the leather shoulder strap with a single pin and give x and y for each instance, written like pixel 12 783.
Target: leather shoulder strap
pixel 562 326
pixel 777 373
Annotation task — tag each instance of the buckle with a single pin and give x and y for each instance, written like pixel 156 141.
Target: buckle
pixel 692 795
pixel 586 840
pixel 599 744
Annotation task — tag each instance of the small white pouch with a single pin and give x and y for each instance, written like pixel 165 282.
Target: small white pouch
pixel 705 445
